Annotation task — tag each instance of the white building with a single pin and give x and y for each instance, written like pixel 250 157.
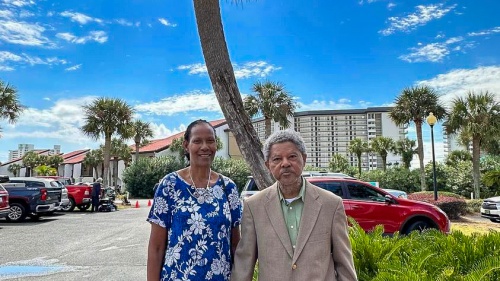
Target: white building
pixel 24 148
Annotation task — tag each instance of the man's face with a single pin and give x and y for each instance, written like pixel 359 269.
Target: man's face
pixel 286 162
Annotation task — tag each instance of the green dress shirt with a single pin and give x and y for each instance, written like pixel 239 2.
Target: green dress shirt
pixel 292 213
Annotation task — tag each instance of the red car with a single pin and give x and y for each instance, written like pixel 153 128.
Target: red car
pixel 79 195
pixel 4 202
pixel 370 206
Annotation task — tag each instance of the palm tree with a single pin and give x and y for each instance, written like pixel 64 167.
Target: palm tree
pixel 339 164
pixel 405 148
pixel 477 115
pixel 55 161
pixel 119 150
pixel 93 159
pixel 221 73
pixel 358 147
pixel 107 116
pixel 14 169
pixel 44 170
pixel 10 107
pixel 413 105
pixel 273 102
pixel 30 161
pixel 382 146
pixel 142 131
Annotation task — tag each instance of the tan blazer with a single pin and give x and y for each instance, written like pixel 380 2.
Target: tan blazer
pixel 323 250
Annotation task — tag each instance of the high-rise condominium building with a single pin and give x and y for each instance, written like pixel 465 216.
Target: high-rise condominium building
pixel 24 148
pixel 329 132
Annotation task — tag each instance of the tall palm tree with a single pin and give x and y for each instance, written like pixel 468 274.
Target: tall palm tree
pixel 106 117
pixel 10 107
pixel 55 161
pixel 94 158
pixel 413 105
pixel 478 115
pixel 14 169
pixel 30 161
pixel 358 147
pixel 339 164
pixel 142 132
pixel 382 146
pixel 273 102
pixel 405 148
pixel 221 73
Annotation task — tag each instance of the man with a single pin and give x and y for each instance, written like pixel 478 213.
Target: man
pixel 296 230
pixel 96 193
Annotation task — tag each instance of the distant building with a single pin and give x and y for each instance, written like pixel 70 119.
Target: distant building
pixel 329 132
pixel 24 148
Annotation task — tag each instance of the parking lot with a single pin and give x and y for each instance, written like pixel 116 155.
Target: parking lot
pixel 77 246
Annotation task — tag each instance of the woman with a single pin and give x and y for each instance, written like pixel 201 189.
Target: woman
pixel 195 216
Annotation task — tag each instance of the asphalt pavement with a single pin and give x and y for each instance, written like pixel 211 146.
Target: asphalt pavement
pixel 77 246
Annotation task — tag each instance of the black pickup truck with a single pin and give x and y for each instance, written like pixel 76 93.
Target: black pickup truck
pixel 32 199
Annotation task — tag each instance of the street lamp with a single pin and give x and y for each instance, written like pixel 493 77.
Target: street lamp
pixel 431 120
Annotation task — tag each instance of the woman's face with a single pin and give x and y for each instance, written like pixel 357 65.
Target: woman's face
pixel 202 145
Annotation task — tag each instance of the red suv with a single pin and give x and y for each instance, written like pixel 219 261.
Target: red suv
pixel 371 206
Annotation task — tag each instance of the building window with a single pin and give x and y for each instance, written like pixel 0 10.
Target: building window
pixel 86 171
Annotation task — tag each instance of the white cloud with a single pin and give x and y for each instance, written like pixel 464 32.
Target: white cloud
pixel 435 52
pixel 79 17
pixel 485 32
pixel 19 3
pixel 6 14
pixel 74 67
pixel 165 22
pixel 458 82
pixel 422 16
pixel 23 33
pixel 247 70
pixel 8 58
pixel 124 22
pixel 192 101
pixel 97 36
pixel 391 5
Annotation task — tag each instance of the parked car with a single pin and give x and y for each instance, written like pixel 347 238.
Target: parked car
pixel 47 182
pixel 370 206
pixel 490 209
pixel 4 199
pixel 79 195
pixel 31 197
pixel 397 193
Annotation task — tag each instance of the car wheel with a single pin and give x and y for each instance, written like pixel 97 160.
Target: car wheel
pixel 17 212
pixel 83 207
pixel 418 226
pixel 70 206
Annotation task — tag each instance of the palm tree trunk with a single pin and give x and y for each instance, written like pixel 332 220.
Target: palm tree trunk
pixel 476 151
pixel 107 156
pixel 96 172
pixel 420 151
pixel 384 162
pixel 221 73
pixel 267 126
pixel 136 151
pixel 359 164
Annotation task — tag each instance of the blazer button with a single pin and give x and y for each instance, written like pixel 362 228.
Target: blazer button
pixel 294 266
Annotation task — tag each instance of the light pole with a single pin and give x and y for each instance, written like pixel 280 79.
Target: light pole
pixel 431 120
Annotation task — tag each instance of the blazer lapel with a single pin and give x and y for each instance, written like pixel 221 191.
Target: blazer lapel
pixel 275 214
pixel 308 219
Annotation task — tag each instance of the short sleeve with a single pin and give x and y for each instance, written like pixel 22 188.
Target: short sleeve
pixel 160 212
pixel 234 202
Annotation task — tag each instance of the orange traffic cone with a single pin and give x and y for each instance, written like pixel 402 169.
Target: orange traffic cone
pixel 137 204
pixel 149 203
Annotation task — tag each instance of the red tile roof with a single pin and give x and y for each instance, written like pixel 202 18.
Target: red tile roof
pixel 162 144
pixel 72 154
pixel 77 159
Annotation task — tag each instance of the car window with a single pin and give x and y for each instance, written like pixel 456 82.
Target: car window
pixel 251 186
pixel 34 184
pixel 359 191
pixel 332 186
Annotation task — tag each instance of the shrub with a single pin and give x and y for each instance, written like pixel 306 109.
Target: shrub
pixel 235 169
pixel 142 175
pixel 395 178
pixel 452 204
pixel 474 205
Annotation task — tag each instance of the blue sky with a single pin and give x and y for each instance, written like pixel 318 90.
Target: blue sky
pixel 61 55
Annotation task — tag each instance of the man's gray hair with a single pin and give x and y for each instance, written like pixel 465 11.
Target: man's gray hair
pixel 287 135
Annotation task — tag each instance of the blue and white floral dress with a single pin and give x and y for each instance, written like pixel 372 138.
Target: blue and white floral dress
pixel 199 223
